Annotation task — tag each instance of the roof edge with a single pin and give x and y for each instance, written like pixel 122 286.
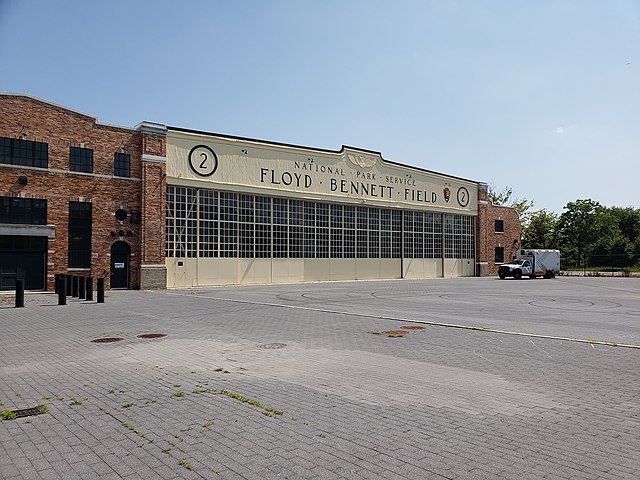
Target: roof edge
pixel 62 107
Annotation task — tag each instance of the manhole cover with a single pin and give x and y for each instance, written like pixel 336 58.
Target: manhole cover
pixel 107 340
pixel 272 346
pixel 152 335
pixel 28 412
pixel 395 332
pixel 412 327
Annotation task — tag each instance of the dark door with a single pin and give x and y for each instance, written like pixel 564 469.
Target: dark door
pixel 23 258
pixel 120 253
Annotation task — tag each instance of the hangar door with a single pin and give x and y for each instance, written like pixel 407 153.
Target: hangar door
pixel 23 258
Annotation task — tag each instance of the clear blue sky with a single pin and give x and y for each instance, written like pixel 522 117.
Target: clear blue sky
pixel 542 96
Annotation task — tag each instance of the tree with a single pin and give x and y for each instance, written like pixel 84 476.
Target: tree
pixel 541 230
pixel 577 229
pixel 506 197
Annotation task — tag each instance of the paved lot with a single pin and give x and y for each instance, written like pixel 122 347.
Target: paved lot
pixel 288 381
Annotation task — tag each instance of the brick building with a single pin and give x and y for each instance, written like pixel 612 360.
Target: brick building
pixel 156 206
pixel 499 232
pixel 71 197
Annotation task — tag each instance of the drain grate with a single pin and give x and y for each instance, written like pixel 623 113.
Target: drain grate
pixel 272 346
pixel 27 412
pixel 107 340
pixel 412 327
pixel 152 335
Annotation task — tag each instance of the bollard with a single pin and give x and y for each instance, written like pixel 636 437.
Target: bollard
pixel 55 282
pixel 81 287
pixel 19 293
pixel 62 290
pixel 74 286
pixel 68 284
pixel 100 290
pixel 89 289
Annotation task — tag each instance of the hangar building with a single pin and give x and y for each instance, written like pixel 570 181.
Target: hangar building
pixel 156 206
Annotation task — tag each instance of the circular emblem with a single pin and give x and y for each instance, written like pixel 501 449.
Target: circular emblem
pixel 203 160
pixel 463 196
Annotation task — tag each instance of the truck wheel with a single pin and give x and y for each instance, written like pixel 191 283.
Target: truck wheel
pixel 548 274
pixel 517 275
pixel 501 275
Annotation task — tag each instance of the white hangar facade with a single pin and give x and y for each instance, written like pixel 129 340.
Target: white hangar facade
pixel 242 211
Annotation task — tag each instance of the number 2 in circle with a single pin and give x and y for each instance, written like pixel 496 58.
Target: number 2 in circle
pixel 203 161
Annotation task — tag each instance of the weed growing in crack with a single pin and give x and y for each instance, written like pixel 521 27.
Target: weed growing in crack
pixel 7 415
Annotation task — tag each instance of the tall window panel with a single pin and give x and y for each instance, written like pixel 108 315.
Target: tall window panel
pixel 349 224
pixel 296 229
pixel 208 223
pixel 170 222
pixel 246 226
pixel 385 233
pixel 228 224
pixel 459 238
pixel 309 230
pixel 263 227
pixel 374 233
pixel 418 234
pixel 280 227
pixel 408 234
pixel 322 230
pixel 396 233
pixel 79 235
pixel 121 164
pixel 337 217
pixel 181 222
pixel 362 232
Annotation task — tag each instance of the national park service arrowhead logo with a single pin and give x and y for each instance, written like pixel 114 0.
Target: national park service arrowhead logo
pixel 447 194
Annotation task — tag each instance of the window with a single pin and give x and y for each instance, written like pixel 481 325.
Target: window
pixel 499 226
pixel 121 165
pixel 207 223
pixel 459 236
pixel 499 254
pixel 30 211
pixel 80 159
pixel 15 151
pixel 79 235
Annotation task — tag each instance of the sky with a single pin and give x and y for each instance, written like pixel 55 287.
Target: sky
pixel 539 96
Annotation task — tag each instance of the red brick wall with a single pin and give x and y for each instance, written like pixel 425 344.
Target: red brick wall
pixel 62 128
pixel 488 238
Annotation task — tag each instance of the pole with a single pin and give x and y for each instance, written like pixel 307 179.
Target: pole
pixel 100 290
pixel 68 284
pixel 62 290
pixel 19 293
pixel 74 286
pixel 89 289
pixel 81 287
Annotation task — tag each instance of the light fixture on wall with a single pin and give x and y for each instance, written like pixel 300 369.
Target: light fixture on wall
pixel 123 149
pixel 23 134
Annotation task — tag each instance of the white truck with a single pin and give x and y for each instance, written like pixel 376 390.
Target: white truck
pixel 532 263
